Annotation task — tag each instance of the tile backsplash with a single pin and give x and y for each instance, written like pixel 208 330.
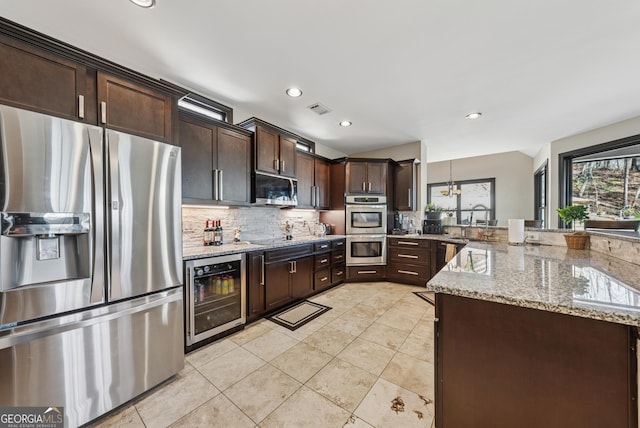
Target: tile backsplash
pixel 253 223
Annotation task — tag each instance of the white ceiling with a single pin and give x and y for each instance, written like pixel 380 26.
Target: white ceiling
pixel 402 70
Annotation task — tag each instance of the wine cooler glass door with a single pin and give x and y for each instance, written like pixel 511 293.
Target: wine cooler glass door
pixel 217 296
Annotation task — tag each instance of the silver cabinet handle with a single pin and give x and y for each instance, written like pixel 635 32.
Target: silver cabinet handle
pixel 369 186
pixel 262 270
pixel 276 162
pixel 407 243
pixel 313 196
pixel 367 272
pixel 214 172
pixel 407 256
pixel 281 166
pixel 364 189
pixel 340 273
pixel 408 272
pixel 324 246
pixel 323 261
pixel 317 196
pixel 103 112
pixel 295 266
pixel 409 199
pixel 81 106
pixel 324 279
pixel 338 257
pixel 220 183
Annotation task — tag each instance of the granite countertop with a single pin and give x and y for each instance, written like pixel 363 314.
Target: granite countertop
pixel 190 253
pixel 575 282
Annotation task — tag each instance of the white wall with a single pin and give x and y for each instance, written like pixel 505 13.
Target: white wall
pixel 514 180
pixel 594 137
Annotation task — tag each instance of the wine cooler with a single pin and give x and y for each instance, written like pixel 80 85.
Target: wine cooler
pixel 215 300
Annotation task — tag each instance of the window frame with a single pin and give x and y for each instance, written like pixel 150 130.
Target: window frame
pixel 540 189
pixel 565 167
pixel 458 184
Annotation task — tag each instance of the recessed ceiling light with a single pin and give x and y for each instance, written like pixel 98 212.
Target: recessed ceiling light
pixel 294 92
pixel 345 123
pixel 473 115
pixel 144 3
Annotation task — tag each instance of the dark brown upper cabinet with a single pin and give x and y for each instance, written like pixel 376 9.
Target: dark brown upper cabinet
pixel 275 153
pixel 313 181
pixel 366 177
pixel 216 162
pixel 405 186
pixel 34 79
pixel 134 108
pixel 275 148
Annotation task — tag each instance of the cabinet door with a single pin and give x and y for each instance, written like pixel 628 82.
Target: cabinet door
pixel 287 156
pixel 36 80
pixel 129 107
pixel 234 162
pixel 356 177
pixel 302 279
pixel 306 189
pixel 198 157
pixel 376 178
pixel 266 150
pixel 322 172
pixel 404 194
pixel 255 286
pixel 278 284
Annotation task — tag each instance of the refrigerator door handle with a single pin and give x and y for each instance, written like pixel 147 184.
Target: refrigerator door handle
pixel 114 205
pixel 98 236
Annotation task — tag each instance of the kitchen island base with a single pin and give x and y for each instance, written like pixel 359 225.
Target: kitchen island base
pixel 499 365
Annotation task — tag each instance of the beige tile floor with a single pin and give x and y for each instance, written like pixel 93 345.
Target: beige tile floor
pixel 342 369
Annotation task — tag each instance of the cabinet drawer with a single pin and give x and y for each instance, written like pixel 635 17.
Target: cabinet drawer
pixel 408 273
pixel 339 244
pixel 414 255
pixel 321 246
pixel 322 279
pixel 337 257
pixel 365 273
pixel 322 261
pixel 288 253
pixel 409 243
pixel 337 274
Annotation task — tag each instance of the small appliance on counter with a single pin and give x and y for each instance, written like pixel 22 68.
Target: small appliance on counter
pixel 398 224
pixel 434 227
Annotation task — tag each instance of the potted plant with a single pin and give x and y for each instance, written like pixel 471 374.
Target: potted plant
pixel 570 214
pixel 433 212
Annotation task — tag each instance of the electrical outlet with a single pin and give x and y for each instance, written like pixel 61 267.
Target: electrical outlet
pixel 533 236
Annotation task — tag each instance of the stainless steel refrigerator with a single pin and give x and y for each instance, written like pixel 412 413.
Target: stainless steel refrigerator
pixel 90 265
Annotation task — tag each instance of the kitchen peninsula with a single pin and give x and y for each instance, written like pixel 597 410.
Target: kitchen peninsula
pixel 534 336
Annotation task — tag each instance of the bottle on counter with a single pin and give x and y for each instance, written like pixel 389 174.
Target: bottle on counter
pixel 206 235
pixel 217 234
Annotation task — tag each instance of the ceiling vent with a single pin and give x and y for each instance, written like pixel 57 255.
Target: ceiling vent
pixel 319 109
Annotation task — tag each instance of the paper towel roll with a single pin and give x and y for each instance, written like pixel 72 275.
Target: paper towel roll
pixel 516 231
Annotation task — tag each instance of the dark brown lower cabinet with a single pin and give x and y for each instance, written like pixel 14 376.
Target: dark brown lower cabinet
pixel 500 365
pixel 256 305
pixel 302 277
pixel 366 273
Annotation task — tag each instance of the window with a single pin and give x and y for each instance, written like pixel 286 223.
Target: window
pixel 206 107
pixel 540 194
pixel 605 178
pixel 477 196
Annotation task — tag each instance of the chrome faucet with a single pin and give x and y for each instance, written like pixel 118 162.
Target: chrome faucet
pixel 486 210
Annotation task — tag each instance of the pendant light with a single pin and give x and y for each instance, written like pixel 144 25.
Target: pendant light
pixel 451 186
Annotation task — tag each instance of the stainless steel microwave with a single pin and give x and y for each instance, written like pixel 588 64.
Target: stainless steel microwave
pixel 273 189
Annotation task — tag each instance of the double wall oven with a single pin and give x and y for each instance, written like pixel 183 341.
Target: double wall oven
pixel 366 227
